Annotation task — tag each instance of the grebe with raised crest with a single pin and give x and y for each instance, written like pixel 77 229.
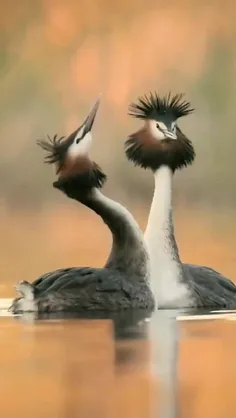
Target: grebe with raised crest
pixel 160 145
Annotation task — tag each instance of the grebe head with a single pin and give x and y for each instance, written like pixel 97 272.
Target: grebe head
pixel 77 172
pixel 160 140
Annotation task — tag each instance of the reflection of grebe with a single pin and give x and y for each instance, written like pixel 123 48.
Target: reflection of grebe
pixel 124 281
pixel 161 146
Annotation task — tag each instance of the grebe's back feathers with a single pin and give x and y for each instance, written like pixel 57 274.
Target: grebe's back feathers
pixel 86 288
pixel 210 289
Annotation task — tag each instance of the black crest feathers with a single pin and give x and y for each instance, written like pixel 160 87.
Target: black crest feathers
pixel 56 148
pixel 153 106
pixel 84 175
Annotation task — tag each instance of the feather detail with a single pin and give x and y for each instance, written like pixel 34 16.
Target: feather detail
pixel 153 106
pixel 56 148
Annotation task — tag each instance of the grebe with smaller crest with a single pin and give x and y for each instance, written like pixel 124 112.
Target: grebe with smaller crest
pixel 123 283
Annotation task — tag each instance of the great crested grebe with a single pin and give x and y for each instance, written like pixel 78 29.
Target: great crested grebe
pixel 162 147
pixel 124 281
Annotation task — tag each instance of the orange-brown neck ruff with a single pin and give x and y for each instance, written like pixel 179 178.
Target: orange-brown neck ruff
pixel 72 167
pixel 148 152
pixel 79 176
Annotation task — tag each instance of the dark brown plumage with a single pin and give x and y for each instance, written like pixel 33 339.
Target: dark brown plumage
pixel 147 152
pixel 76 185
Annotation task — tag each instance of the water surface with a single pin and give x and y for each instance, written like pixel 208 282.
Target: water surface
pixel 174 365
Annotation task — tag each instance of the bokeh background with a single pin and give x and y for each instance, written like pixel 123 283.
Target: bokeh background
pixel 56 57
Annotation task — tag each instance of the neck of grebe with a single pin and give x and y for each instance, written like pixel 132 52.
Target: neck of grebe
pixel 129 252
pixel 166 267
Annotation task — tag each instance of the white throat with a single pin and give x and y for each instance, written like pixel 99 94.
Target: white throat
pixel 166 268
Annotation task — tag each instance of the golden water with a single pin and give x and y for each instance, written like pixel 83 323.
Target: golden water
pixel 82 368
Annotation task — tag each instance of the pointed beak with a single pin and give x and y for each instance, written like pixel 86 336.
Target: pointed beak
pixel 169 134
pixel 88 124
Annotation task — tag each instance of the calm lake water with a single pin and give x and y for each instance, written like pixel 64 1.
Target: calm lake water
pixel 173 365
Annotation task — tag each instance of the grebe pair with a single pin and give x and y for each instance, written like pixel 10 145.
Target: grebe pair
pixel 124 281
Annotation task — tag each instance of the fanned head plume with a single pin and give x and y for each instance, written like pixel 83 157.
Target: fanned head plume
pixel 71 157
pixel 155 107
pixel 160 141
pixel 56 148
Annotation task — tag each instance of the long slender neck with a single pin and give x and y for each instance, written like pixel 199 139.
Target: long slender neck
pixel 129 253
pixel 166 267
pixel 160 228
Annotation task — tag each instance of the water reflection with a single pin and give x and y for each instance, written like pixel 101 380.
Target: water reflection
pixel 128 365
pixel 127 324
